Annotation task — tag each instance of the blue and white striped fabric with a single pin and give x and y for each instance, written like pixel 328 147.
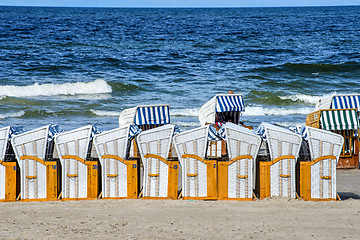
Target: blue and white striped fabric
pixel 54 129
pixel 214 135
pixel 261 132
pixel 16 131
pixel 300 130
pixel 134 131
pixel 149 115
pixel 344 102
pixel 95 130
pixel 230 103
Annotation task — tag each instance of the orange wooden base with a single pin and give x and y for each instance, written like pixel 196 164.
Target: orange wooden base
pixel 12 181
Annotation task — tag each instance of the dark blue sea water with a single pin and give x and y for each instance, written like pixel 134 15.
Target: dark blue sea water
pixel 79 66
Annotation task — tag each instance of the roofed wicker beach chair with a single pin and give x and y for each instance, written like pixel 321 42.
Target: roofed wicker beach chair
pixel 340 114
pixel 80 173
pixel 277 176
pixel 38 170
pixel 236 176
pixel 199 175
pixel 160 178
pixel 120 175
pixel 318 176
pixel 9 171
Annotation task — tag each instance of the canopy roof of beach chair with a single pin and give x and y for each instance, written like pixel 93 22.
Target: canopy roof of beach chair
pixel 339 102
pixel 145 115
pixel 219 104
pixel 339 119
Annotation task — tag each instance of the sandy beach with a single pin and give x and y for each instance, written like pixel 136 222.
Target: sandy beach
pixel 184 219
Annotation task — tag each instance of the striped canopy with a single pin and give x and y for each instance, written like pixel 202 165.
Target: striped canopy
pixel 230 103
pixel 344 102
pixel 146 115
pixel 339 120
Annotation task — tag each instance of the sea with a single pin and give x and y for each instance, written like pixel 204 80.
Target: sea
pixel 79 66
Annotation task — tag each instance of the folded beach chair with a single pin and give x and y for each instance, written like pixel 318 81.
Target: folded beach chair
pixel 9 170
pixel 318 176
pixel 120 176
pixel 277 176
pixel 80 173
pixel 38 170
pixel 199 175
pixel 160 179
pixel 236 175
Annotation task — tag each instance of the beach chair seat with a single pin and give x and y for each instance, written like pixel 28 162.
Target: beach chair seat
pixel 120 176
pixel 318 176
pixel 39 172
pixel 199 175
pixel 160 178
pixel 236 176
pixel 277 176
pixel 80 174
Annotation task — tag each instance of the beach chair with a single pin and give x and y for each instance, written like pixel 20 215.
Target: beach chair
pixel 277 176
pixel 80 173
pixel 160 178
pixel 341 115
pixel 218 110
pixel 145 117
pixel 318 176
pixel 199 175
pixel 120 176
pixel 39 172
pixel 236 175
pixel 9 170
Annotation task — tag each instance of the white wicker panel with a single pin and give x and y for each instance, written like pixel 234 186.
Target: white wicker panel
pixel 2 181
pixel 240 187
pixel 323 188
pixel 114 186
pixel 283 186
pixel 4 138
pixel 74 187
pixel 33 188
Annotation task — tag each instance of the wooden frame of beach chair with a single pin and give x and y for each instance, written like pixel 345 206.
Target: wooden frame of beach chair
pixel 318 176
pixel 9 171
pixel 80 177
pixel 349 157
pixel 39 176
pixel 199 175
pixel 236 176
pixel 120 176
pixel 160 178
pixel 277 176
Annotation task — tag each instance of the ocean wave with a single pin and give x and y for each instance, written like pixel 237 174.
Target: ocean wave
pixel 105 113
pixel 263 111
pixel 302 98
pixel 312 67
pixel 12 115
pixel 98 86
pixel 186 124
pixel 289 124
pixel 187 112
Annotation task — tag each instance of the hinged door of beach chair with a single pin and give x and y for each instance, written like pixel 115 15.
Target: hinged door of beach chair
pixel 8 170
pixel 318 176
pixel 277 177
pixel 33 151
pixel 79 175
pixel 160 174
pixel 199 175
pixel 119 175
pixel 236 176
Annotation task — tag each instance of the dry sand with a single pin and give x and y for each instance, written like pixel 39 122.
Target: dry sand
pixel 182 219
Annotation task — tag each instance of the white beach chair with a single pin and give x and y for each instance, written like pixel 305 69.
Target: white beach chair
pixel 8 169
pixel 39 176
pixel 80 177
pixel 318 176
pixel 160 179
pixel 199 175
pixel 277 177
pixel 236 176
pixel 119 175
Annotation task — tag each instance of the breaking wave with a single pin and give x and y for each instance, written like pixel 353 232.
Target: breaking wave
pixel 12 115
pixel 95 87
pixel 105 113
pixel 262 111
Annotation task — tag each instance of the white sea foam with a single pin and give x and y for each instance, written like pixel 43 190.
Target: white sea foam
pixel 12 115
pixel 186 124
pixel 105 113
pixel 310 99
pixel 262 111
pixel 289 124
pixel 95 87
pixel 187 112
